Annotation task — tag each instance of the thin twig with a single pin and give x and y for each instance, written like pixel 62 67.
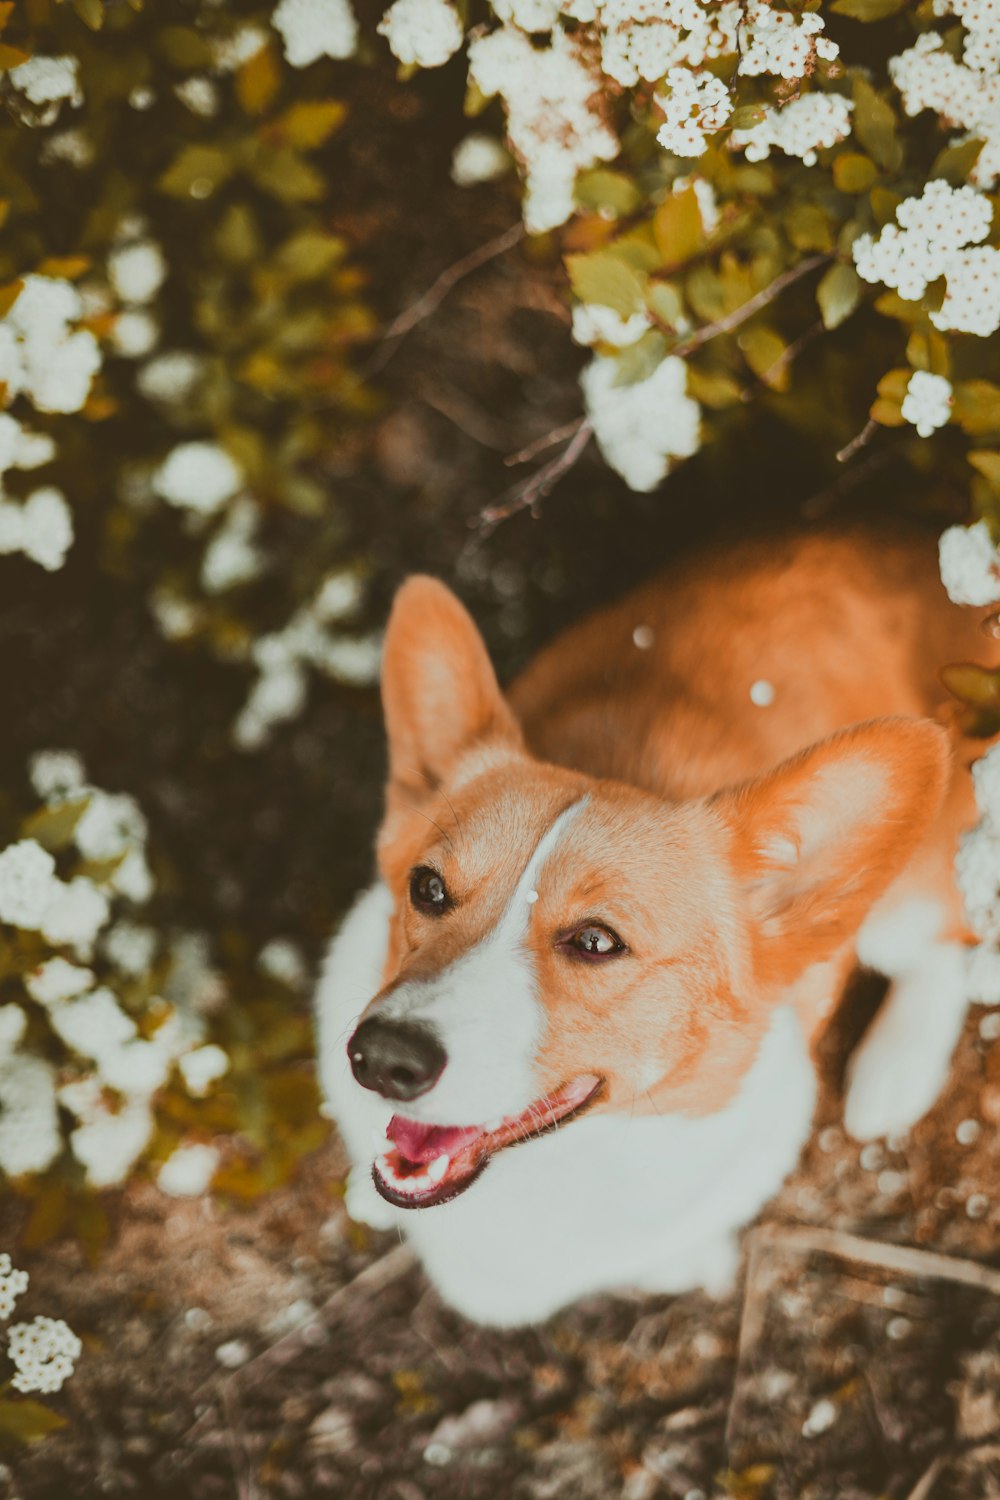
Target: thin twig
pixel 435 294
pixel 548 440
pixel 866 434
pixel 476 425
pixel 817 505
pixel 928 1479
pixel 905 1260
pixel 527 496
pixel 747 309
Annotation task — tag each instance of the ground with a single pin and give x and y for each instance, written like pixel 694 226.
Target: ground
pixel 276 1350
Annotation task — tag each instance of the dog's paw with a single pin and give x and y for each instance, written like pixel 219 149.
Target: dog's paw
pixel 364 1205
pixel 901 1066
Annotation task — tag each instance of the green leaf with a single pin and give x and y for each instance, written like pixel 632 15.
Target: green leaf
pixel 875 126
pixel 310 254
pixel 283 174
pixel 867 10
pixel 602 277
pixel 838 294
pixel 678 227
pixel 28 1421
pixel 311 122
pixel 977 685
pixel 712 388
pixel 808 227
pixel 763 349
pixel 53 827
pixel 955 162
pixel 977 407
pixel 986 463
pixel 91 13
pixel 196 172
pixel 666 304
pixel 853 172
pixel 607 192
pixel 747 116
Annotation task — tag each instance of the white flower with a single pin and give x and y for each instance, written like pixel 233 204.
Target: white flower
pixel 38 353
pixel 972 301
pixel 986 780
pixel 640 428
pixel 801 128
pixel 696 106
pixel 134 334
pixel 12 1284
pixel 927 403
pixel 73 146
pixel 201 1067
pixel 426 32
pixel 929 240
pixel 478 158
pixel 48 80
pixel 645 38
pixel 970 564
pixel 131 947
pixel 316 28
pixel 27 872
pixel 278 694
pixel 29 1124
pixel 44 1352
pixel 355 661
pixel 555 120
pixel 93 1025
pixel 593 324
pixel 12 1023
pixel 111 823
pixel 282 960
pixel 977 867
pixel 171 376
pixel 982 974
pixel 41 528
pixel 231 52
pixel 56 980
pixel 75 915
pixel 200 95
pixel 339 596
pixel 530 15
pixel 21 449
pixel 232 556
pixel 964 94
pixel 108 1145
pixel 56 774
pixel 137 271
pixel 187 1172
pixel 778 42
pixel 197 476
pixel 132 877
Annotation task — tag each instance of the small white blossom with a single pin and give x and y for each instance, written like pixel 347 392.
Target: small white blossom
pixel 39 356
pixel 109 825
pixel 970 564
pixel 928 401
pixel 643 39
pixel 972 300
pixel 48 80
pixel 73 146
pixel 316 28
pixel 982 974
pixel 21 449
pixel 132 878
pixel 282 960
pixel 56 980
pixel 641 428
pixel 93 1025
pixel 278 694
pixel 76 912
pixel 131 947
pixel 56 774
pixel 780 43
pixel 339 596
pixel 233 556
pixel 30 1139
pixel 12 1284
pixel 200 95
pixel 593 324
pixel 201 1067
pixel 801 128
pixel 352 660
pixel 27 872
pixel 425 32
pixel 44 1353
pixel 108 1145
pixel 478 158
pixel 697 105
pixel 170 376
pixel 197 476
pixel 12 1024
pixel 231 52
pixel 137 271
pixel 963 94
pixel 41 528
pixel 187 1172
pixel 977 867
pixel 530 15
pixel 134 334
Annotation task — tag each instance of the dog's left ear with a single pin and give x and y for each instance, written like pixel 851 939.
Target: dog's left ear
pixel 819 840
pixel 439 690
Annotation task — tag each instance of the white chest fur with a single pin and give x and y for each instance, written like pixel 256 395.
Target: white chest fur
pixel 609 1202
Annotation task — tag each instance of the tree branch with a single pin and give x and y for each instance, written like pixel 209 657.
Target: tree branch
pixel 527 496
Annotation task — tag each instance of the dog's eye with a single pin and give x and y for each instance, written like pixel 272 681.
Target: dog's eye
pixel 593 941
pixel 428 891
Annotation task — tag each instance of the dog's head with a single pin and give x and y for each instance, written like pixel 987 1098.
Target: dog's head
pixel 561 943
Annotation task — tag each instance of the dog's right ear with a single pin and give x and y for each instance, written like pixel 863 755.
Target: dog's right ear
pixel 439 690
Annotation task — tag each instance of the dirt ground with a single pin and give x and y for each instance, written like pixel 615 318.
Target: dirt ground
pixel 276 1350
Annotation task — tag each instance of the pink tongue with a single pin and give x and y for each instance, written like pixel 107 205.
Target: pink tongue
pixel 425 1142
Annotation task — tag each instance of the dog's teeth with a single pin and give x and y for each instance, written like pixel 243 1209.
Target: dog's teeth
pixel 437 1168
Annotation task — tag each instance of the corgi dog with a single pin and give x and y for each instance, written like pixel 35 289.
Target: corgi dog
pixel 567 1033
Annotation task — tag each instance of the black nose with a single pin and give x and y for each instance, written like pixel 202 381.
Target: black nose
pixel 397 1059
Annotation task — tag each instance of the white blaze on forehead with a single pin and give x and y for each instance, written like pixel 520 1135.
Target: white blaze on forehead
pixel 486 1010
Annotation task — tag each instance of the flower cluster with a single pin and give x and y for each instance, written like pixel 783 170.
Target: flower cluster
pixel 312 29
pixel 978 870
pixel 641 428
pixel 928 402
pixel 939 234
pixel 44 1353
pixel 802 128
pixel 425 32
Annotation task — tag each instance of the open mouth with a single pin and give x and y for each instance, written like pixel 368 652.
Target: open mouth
pixel 429 1164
